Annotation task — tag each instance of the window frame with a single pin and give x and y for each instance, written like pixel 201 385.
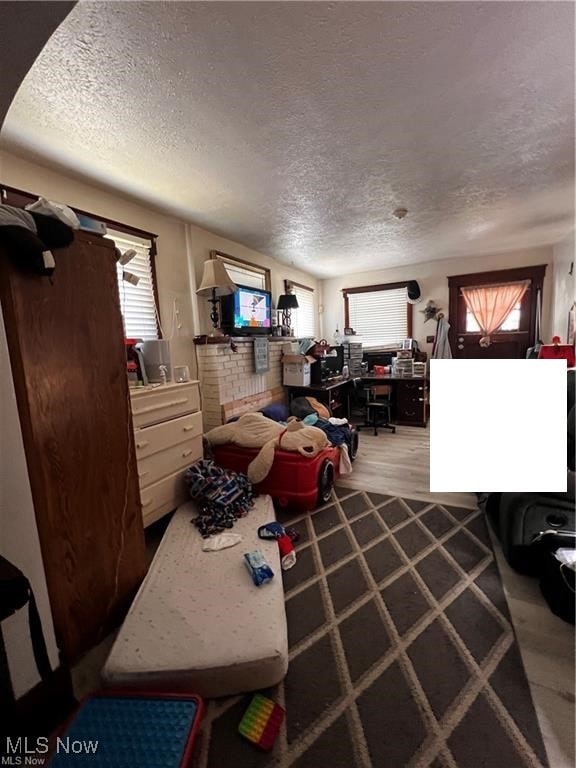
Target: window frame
pixel 19 198
pixel 457 305
pixel 227 258
pixel 373 289
pixel 291 284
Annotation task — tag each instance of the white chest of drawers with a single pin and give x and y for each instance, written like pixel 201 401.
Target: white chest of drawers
pixel 168 437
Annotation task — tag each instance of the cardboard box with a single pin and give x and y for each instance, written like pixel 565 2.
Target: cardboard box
pixel 297 370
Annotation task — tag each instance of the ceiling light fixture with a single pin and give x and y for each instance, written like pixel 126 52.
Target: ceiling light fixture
pixel 400 213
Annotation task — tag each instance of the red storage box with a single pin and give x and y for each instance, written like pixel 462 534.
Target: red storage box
pixel 294 481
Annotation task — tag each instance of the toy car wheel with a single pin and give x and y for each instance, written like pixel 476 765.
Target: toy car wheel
pixel 325 482
pixel 353 445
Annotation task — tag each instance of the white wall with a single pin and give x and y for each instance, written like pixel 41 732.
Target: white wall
pixel 564 286
pixel 19 540
pixel 432 278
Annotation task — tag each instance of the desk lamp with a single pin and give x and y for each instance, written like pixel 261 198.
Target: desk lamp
pixel 215 283
pixel 286 303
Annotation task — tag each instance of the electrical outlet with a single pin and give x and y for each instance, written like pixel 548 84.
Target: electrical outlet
pixel 429 339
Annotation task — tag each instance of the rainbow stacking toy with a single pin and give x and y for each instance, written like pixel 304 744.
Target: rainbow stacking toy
pixel 261 722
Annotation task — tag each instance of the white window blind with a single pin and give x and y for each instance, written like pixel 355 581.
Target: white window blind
pixel 379 317
pixel 137 302
pixel 246 274
pixel 304 318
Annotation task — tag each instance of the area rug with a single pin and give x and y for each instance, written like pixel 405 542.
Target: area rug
pixel 401 648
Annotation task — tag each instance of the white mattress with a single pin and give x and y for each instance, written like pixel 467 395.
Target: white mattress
pixel 198 623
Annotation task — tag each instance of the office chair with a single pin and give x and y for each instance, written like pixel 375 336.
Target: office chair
pixel 380 403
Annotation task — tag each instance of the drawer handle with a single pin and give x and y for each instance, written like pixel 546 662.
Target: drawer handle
pixel 189 428
pixel 420 399
pixel 161 406
pixel 146 472
pixel 143 444
pixel 146 503
pixel 187 453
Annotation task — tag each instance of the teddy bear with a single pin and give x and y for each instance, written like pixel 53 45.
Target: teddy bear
pixel 254 430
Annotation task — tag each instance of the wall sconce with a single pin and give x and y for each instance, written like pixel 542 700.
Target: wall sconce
pixel 286 303
pixel 215 283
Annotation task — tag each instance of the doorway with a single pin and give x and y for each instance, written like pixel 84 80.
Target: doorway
pixel 518 331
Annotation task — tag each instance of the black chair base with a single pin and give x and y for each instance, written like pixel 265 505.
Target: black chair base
pixel 372 422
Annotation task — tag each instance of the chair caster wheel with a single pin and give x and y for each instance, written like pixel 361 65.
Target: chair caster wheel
pixel 394 431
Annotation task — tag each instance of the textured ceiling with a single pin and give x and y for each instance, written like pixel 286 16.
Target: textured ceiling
pixel 296 128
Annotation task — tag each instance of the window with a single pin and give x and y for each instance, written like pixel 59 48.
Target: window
pixel 380 314
pixel 137 302
pixel 244 273
pixel 512 322
pixel 304 318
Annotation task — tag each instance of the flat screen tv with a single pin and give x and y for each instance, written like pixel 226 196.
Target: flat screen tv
pixel 247 311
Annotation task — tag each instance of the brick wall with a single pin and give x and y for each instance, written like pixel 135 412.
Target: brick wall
pixel 228 382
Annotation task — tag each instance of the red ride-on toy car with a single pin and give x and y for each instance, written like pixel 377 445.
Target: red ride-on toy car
pixel 295 481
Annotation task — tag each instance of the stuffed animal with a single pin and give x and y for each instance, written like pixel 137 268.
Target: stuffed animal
pixel 29 237
pixel 254 430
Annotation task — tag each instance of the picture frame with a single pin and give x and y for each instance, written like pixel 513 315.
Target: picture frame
pixel 408 344
pixel 349 332
pixel 261 354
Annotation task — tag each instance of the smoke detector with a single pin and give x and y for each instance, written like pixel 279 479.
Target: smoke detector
pixel 400 213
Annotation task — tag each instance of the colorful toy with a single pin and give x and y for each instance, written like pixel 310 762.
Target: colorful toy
pixel 132 728
pixel 261 722
pixel 295 481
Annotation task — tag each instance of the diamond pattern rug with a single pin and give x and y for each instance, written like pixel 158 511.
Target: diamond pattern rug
pixel 401 648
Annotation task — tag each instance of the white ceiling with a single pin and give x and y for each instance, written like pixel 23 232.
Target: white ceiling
pixel 296 128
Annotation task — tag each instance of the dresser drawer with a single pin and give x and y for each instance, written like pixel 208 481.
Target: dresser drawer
pixel 157 438
pixel 161 497
pixel 166 462
pixel 155 405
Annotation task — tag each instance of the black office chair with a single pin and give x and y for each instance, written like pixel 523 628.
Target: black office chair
pixel 379 408
pixel 376 403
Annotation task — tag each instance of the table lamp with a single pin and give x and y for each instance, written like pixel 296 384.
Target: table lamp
pixel 216 282
pixel 286 303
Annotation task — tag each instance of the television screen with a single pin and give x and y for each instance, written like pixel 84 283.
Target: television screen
pixel 248 310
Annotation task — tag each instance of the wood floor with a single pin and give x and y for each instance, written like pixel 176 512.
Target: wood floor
pixel 399 464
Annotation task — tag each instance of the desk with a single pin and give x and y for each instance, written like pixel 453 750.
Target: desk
pixel 335 395
pixel 409 397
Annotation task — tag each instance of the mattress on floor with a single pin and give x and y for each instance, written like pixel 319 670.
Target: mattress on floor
pixel 198 623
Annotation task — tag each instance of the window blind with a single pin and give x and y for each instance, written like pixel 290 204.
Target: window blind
pixel 245 274
pixel 304 318
pixel 379 317
pixel 137 302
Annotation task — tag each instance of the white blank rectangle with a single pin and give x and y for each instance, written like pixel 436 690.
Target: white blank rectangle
pixel 498 425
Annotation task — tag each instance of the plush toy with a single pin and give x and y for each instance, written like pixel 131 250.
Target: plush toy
pixel 29 237
pixel 254 430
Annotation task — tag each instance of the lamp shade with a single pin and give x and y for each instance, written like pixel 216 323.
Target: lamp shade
pixel 215 278
pixel 287 301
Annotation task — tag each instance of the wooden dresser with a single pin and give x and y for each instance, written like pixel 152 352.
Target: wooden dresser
pixel 168 438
